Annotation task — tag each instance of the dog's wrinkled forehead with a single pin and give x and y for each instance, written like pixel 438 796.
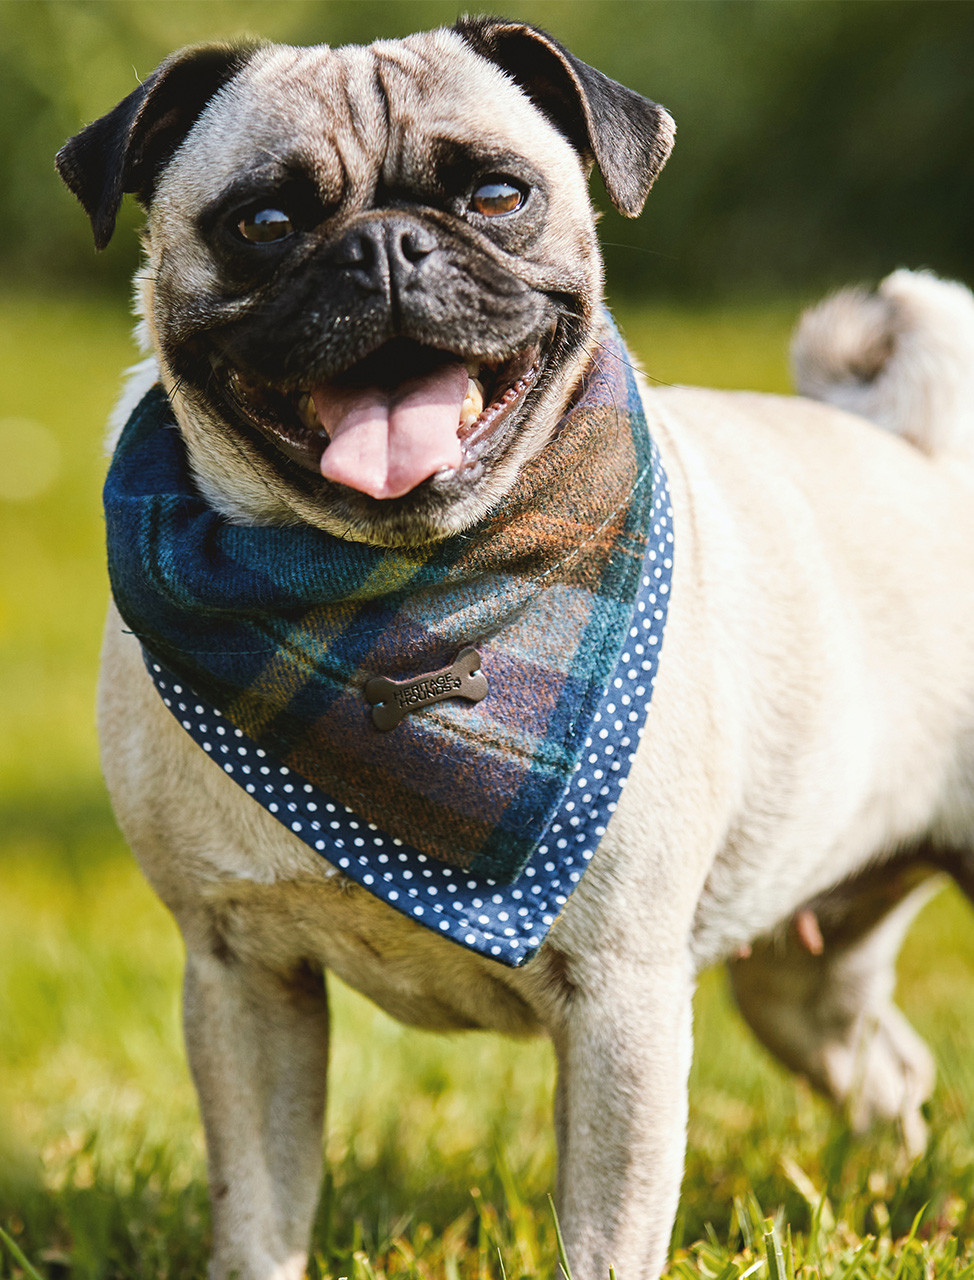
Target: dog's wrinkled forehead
pixel 350 117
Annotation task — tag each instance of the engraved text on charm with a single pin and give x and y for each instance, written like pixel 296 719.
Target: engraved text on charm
pixel 393 699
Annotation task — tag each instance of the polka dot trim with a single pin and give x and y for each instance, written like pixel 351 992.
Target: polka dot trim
pixel 504 922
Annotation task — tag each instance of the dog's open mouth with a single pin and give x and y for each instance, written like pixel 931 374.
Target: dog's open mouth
pixel 403 414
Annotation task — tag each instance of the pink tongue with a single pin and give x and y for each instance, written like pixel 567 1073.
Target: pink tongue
pixel 386 441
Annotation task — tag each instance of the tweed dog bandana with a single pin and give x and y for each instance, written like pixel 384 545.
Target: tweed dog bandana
pixel 476 817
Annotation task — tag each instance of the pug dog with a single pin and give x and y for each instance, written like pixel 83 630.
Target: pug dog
pixel 372 294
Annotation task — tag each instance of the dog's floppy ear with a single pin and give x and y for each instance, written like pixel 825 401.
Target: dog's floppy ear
pixel 126 150
pixel 628 136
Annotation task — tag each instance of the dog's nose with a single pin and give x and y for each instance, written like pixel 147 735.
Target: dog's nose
pixel 384 254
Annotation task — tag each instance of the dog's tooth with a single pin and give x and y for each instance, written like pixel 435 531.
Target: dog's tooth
pixel 473 403
pixel 306 410
pixel 473 368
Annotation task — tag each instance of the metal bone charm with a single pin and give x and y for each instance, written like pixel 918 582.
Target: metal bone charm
pixel 393 699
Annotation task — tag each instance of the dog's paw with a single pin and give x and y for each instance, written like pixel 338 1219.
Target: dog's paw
pixel 262 1267
pixel 884 1073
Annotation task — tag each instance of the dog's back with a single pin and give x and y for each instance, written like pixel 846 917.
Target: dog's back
pixel 839 588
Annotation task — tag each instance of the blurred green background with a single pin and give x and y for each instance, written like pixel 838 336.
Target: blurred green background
pixel 819 142
pixel 819 139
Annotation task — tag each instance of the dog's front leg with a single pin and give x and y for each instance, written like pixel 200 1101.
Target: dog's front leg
pixel 624 1048
pixel 258 1045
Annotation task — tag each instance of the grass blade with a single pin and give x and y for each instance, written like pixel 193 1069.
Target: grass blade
pixel 848 1272
pixel 772 1249
pixel 19 1258
pixel 562 1255
pixel 905 1248
pixel 744 1223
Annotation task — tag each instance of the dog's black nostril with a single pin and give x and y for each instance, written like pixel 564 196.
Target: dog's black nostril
pixel 415 243
pixel 357 249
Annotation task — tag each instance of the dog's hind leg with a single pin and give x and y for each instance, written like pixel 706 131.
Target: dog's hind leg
pixel 258 1044
pixel 819 995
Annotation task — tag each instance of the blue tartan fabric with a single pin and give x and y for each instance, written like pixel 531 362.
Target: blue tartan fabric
pixel 504 923
pixel 281 627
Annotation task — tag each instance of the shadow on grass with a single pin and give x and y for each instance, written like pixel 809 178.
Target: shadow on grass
pixel 147 1221
pixel 397 1217
pixel 100 1224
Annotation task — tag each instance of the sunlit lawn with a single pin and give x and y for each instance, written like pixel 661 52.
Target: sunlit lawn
pixel 440 1148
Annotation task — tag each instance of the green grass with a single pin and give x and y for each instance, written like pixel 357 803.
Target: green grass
pixel 439 1148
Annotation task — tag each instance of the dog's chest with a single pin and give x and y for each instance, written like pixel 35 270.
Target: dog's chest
pixel 238 883
pixel 415 976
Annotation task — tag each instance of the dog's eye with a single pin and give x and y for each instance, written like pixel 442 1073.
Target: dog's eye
pixel 265 225
pixel 497 196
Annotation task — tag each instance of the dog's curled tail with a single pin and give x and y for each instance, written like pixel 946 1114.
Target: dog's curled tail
pixel 902 356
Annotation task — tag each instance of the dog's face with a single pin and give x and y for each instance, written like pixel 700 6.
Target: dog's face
pixel 373 278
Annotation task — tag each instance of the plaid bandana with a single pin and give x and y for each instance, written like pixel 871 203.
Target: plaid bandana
pixel 561 591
